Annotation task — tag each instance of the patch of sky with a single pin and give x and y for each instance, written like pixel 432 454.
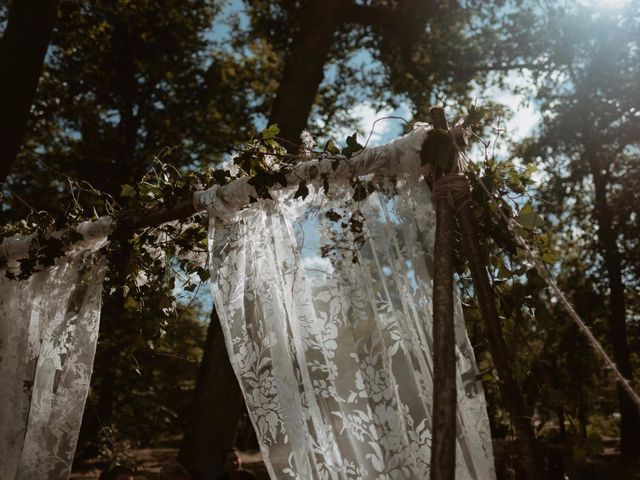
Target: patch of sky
pixel 365 117
pixel 200 298
pixel 308 239
pixel 232 16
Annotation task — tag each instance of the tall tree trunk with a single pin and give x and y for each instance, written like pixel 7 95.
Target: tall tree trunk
pixel 216 409
pixel 304 67
pixel 22 52
pixel 443 450
pixel 630 417
pixel 509 387
pixel 443 443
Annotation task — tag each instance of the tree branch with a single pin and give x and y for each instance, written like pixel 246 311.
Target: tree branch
pixel 367 15
pixel 22 52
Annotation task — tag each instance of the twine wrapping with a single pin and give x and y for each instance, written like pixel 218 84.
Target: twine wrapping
pixel 453 187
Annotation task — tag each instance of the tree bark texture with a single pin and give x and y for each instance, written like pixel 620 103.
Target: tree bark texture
pixel 304 68
pixel 443 441
pixel 509 387
pixel 607 236
pixel 216 410
pixel 22 52
pixel 443 449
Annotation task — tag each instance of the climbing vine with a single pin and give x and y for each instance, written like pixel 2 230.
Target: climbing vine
pixel 156 253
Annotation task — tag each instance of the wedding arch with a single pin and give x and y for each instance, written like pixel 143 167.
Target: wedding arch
pixel 333 281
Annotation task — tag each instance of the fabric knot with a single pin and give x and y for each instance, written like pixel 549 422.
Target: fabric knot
pixel 453 187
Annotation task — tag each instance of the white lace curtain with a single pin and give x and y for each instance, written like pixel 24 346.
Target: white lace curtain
pixel 48 333
pixel 326 310
pixel 332 345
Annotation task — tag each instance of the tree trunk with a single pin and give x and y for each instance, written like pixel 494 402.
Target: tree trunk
pixel 509 387
pixel 95 418
pixel 443 450
pixel 304 68
pixel 630 417
pixel 22 53
pixel 216 409
pixel 443 443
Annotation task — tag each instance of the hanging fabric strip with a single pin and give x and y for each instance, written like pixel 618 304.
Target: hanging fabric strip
pixel 325 304
pixel 48 333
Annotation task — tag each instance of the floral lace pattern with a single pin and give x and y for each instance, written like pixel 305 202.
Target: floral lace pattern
pixel 48 333
pixel 331 345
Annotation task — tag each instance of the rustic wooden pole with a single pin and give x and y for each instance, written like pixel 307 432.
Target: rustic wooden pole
pixel 509 387
pixel 443 449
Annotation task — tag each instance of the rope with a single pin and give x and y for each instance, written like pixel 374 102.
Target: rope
pixel 582 326
pixel 454 188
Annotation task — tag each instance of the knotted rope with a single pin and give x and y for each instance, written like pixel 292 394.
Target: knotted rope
pixel 455 188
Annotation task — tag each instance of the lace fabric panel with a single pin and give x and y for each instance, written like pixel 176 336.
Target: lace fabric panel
pixel 48 333
pixel 328 328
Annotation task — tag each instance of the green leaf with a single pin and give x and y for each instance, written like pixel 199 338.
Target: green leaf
pixel 352 146
pixel 331 147
pixel 221 177
pixel 204 274
pixel 281 178
pixel 528 218
pixel 548 257
pixel 270 132
pixel 504 272
pixel 531 169
pixel 352 142
pixel 359 192
pixel 302 191
pixel 127 191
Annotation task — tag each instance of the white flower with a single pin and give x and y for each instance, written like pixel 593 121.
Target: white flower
pixel 307 140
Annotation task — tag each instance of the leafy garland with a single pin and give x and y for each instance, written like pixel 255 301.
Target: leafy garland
pixel 155 254
pixel 151 258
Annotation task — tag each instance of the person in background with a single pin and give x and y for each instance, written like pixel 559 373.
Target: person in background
pixel 233 467
pixel 173 471
pixel 117 472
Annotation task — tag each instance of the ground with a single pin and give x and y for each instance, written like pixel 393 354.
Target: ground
pixel 602 467
pixel 151 460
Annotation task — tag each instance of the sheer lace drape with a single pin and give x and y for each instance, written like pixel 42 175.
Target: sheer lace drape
pixel 332 344
pixel 48 333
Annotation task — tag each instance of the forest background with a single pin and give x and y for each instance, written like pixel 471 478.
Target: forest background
pixel 134 94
